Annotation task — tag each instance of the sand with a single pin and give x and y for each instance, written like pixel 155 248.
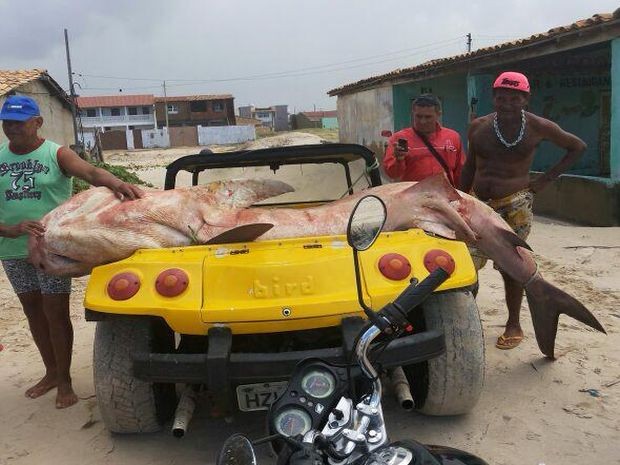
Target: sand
pixel 532 411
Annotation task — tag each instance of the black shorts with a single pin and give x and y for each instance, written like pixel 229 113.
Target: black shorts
pixel 26 278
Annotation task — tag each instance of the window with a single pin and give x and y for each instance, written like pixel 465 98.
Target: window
pixel 173 108
pixel 132 110
pixel 115 112
pixel 91 112
pixel 217 106
pixel 146 110
pixel 198 106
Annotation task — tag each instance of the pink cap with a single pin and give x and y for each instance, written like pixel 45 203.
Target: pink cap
pixel 512 80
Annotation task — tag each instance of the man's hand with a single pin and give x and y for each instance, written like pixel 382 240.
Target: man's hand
pixel 127 191
pixel 398 153
pixel 34 228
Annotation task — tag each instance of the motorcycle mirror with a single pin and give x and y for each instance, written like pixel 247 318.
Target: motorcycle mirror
pixel 366 222
pixel 237 450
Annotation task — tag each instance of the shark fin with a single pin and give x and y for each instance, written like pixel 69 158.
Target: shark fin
pixel 513 239
pixel 245 233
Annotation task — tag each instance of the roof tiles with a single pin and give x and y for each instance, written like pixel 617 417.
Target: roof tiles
pixel 581 25
pixel 116 101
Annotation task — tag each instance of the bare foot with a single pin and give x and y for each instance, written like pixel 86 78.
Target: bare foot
pixel 65 397
pixel 45 385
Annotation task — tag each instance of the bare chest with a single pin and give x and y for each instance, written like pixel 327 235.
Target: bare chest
pixel 507 146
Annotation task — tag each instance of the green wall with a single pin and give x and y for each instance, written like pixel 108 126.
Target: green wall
pixel 329 123
pixel 451 90
pixel 574 102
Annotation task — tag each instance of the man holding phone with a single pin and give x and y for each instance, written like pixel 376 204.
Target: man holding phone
pixel 426 148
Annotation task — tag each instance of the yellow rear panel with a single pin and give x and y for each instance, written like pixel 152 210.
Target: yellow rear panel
pixel 271 286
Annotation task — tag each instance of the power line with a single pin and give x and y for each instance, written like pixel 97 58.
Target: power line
pixel 297 72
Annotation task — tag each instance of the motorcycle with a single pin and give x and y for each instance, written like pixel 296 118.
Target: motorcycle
pixel 332 414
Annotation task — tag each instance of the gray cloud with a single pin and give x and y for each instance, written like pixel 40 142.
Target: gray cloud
pixel 218 40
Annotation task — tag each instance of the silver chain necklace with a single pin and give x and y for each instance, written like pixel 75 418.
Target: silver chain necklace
pixel 501 138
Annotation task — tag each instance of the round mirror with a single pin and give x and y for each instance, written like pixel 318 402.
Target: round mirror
pixel 366 221
pixel 237 450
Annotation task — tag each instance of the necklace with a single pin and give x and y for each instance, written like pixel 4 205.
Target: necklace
pixel 501 138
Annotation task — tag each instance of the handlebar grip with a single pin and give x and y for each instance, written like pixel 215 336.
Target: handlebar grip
pixel 413 296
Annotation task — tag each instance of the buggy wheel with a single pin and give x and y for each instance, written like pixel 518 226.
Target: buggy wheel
pixel 450 384
pixel 128 404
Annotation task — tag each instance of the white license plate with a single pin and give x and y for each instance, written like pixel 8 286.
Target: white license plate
pixel 259 396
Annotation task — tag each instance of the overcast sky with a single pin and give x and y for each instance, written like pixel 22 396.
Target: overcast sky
pixel 265 52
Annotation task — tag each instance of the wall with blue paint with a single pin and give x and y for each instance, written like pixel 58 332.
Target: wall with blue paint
pixel 329 123
pixel 574 102
pixel 451 90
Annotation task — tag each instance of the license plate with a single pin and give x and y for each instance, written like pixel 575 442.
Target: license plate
pixel 259 396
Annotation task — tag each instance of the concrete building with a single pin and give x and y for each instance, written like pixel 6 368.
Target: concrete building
pixel 117 112
pixel 315 119
pixel 54 103
pixel 274 117
pixel 196 110
pixel 574 72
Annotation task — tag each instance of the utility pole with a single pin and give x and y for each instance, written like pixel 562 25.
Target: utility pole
pixel 71 90
pixel 468 42
pixel 166 105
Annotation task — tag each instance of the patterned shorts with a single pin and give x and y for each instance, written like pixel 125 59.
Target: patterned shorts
pixel 26 278
pixel 516 210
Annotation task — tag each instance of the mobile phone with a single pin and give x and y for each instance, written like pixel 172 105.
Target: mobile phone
pixel 402 145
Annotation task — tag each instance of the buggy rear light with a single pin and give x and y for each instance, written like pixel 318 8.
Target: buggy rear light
pixel 171 282
pixel 438 258
pixel 123 286
pixel 394 266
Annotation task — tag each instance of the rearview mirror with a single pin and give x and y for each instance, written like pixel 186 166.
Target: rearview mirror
pixel 366 222
pixel 237 450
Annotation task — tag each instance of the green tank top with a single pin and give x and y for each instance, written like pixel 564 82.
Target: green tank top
pixel 31 185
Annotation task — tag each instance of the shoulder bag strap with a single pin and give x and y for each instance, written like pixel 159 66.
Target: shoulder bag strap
pixel 438 157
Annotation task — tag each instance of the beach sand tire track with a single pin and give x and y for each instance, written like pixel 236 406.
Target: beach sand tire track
pixel 128 404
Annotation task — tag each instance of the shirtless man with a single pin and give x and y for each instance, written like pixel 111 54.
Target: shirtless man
pixel 497 170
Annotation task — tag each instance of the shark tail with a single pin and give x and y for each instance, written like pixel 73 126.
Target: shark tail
pixel 547 303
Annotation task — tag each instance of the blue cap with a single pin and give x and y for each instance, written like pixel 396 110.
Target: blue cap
pixel 19 108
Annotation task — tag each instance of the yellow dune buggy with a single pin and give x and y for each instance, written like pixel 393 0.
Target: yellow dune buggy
pixel 231 321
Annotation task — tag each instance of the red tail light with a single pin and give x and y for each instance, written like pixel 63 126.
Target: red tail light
pixel 123 286
pixel 172 282
pixel 394 266
pixel 439 258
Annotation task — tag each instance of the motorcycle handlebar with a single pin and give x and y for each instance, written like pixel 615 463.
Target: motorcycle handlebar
pixel 397 312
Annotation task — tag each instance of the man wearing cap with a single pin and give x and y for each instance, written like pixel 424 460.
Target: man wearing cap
pixel 497 170
pixel 426 148
pixel 35 177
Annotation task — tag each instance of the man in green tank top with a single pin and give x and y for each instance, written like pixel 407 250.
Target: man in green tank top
pixel 35 177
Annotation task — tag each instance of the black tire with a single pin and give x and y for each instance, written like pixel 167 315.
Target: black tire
pixel 450 384
pixel 128 404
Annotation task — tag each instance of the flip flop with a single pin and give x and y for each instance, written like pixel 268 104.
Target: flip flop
pixel 508 342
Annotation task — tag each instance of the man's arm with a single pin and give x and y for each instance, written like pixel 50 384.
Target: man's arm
pixel 73 165
pixel 394 166
pixel 573 145
pixel 25 227
pixel 469 168
pixel 460 160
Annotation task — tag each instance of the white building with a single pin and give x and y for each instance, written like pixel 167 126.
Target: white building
pixel 118 112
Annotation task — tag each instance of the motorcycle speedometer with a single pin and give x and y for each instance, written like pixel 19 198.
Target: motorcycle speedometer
pixel 293 421
pixel 318 383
